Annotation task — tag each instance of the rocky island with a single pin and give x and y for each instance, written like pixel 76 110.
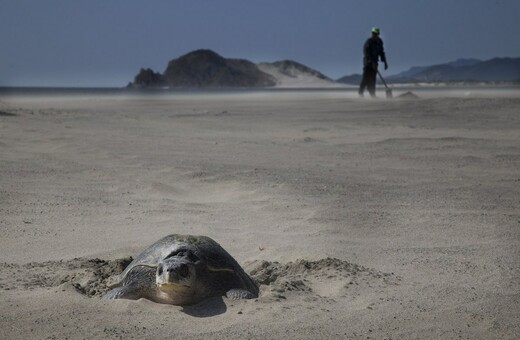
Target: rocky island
pixel 206 69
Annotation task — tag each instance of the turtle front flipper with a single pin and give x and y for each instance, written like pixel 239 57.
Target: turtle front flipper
pixel 131 292
pixel 238 294
pixel 114 281
pixel 138 283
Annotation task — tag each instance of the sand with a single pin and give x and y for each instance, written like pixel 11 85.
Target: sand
pixel 396 219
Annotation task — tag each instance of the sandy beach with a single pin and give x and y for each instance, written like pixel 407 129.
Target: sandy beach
pixel 380 219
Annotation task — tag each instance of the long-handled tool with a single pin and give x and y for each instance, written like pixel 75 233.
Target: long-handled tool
pixel 388 90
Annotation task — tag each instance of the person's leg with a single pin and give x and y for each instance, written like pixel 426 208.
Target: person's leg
pixel 371 82
pixel 364 81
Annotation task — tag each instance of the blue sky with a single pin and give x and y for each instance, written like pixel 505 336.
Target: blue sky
pixel 106 42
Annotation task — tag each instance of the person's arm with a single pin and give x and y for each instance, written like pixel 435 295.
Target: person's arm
pixel 383 55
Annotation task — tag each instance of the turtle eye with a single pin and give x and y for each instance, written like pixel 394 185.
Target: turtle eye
pixel 192 257
pixel 183 270
pixel 180 253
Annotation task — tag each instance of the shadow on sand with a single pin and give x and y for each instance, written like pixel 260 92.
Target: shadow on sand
pixel 206 308
pixel 7 114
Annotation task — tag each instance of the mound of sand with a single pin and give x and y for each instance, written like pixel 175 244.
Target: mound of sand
pixel 5 110
pixel 90 276
pixel 324 277
pixel 408 95
pixel 87 276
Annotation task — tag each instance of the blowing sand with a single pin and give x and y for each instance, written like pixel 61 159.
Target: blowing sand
pixel 395 219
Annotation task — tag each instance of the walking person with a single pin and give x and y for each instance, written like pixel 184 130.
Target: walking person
pixel 373 51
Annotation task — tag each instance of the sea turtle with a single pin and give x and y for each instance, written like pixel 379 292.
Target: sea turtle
pixel 182 270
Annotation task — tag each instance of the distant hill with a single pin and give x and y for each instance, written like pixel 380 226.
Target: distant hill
pixel 464 62
pixel 494 70
pixel 205 68
pixel 418 69
pixel 353 79
pixel 461 70
pixel 289 73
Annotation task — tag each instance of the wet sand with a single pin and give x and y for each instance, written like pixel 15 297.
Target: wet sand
pixel 359 218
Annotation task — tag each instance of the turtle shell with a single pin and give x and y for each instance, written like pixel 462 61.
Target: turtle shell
pixel 202 248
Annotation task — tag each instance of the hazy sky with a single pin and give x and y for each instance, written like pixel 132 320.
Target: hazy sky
pixel 106 42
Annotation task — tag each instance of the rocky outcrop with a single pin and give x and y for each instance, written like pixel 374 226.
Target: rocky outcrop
pixel 147 78
pixel 205 68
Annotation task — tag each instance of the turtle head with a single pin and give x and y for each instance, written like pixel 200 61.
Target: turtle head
pixel 177 272
pixel 175 275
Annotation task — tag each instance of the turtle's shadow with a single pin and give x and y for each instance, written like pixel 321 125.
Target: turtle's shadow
pixel 207 308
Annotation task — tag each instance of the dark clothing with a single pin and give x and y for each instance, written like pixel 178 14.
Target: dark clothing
pixel 369 80
pixel 372 51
